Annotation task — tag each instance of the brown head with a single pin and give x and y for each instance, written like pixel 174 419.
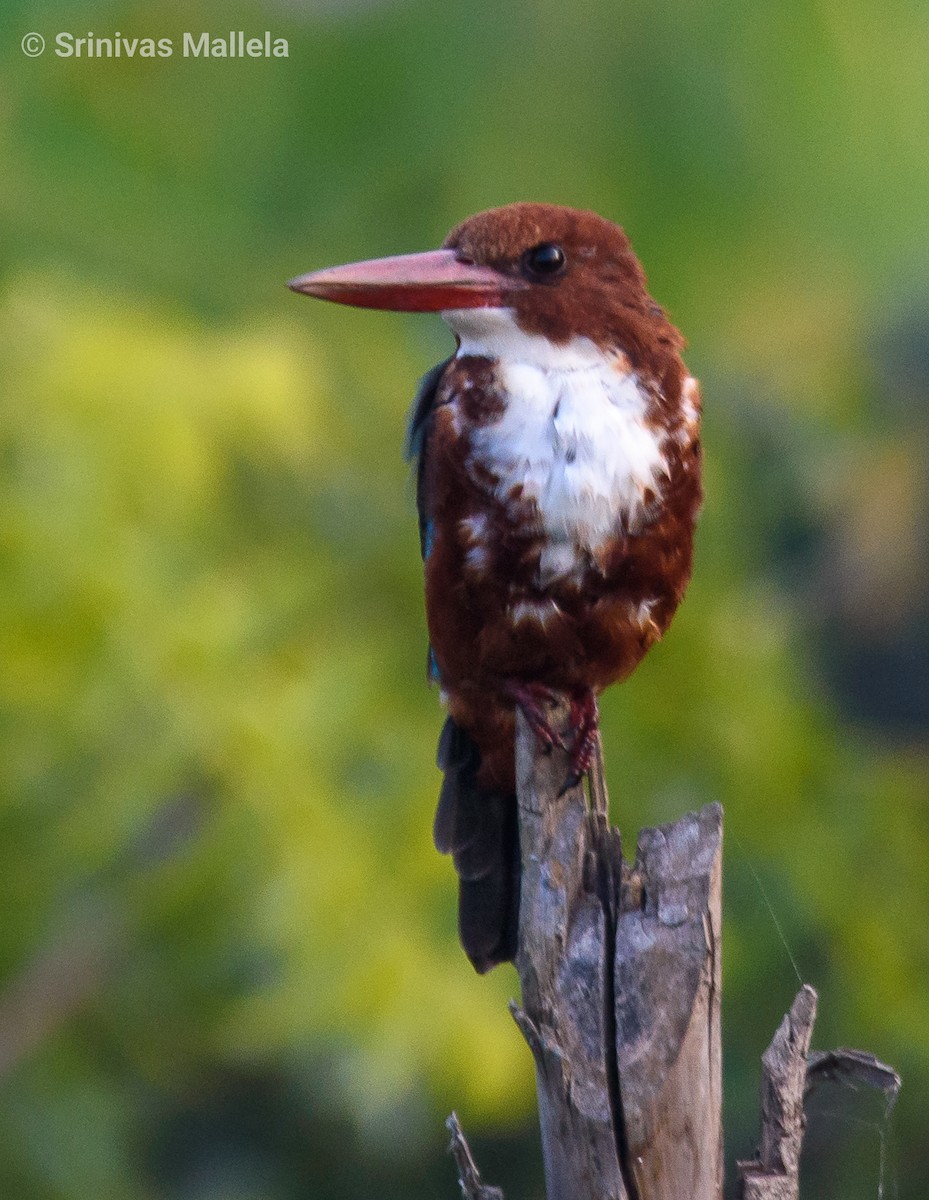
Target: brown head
pixel 563 272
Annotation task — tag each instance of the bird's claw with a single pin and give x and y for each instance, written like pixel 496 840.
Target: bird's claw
pixel 585 722
pixel 532 698
pixel 580 743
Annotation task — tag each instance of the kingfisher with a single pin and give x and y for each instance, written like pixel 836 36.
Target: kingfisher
pixel 558 469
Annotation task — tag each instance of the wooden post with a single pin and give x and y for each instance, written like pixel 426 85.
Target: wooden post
pixel 774 1173
pixel 619 964
pixel 620 972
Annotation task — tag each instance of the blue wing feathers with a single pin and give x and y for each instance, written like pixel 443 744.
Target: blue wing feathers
pixel 417 443
pixel 416 449
pixel 421 410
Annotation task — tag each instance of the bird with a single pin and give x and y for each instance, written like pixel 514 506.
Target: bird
pixel 558 480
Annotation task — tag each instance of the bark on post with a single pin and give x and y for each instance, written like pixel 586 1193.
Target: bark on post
pixel 774 1173
pixel 620 973
pixel 620 970
pixel 469 1178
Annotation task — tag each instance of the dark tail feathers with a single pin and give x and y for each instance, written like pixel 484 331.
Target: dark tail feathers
pixel 479 829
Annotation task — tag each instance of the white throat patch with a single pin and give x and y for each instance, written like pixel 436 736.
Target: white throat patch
pixel 493 333
pixel 573 436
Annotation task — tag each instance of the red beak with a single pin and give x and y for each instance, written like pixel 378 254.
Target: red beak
pixel 430 282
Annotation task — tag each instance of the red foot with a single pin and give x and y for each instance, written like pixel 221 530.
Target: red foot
pixel 585 722
pixel 531 698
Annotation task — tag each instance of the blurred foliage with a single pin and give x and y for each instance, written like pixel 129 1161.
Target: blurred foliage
pixel 228 955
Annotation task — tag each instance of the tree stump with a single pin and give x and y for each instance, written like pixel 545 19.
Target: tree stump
pixel 620 972
pixel 619 965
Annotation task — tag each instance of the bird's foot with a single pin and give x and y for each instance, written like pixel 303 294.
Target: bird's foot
pixel 532 698
pixel 581 741
pixel 585 724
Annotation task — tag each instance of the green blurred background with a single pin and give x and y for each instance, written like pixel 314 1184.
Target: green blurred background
pixel 228 953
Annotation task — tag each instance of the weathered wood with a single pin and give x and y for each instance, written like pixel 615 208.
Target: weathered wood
pixel 774 1173
pixel 668 980
pixel 566 976
pixel 620 973
pixel 469 1178
pixel 619 968
pixel 854 1069
pixel 789 1074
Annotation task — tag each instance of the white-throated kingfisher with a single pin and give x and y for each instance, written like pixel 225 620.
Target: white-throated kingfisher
pixel 558 487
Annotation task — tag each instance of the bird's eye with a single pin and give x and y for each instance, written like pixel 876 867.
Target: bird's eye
pixel 544 261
